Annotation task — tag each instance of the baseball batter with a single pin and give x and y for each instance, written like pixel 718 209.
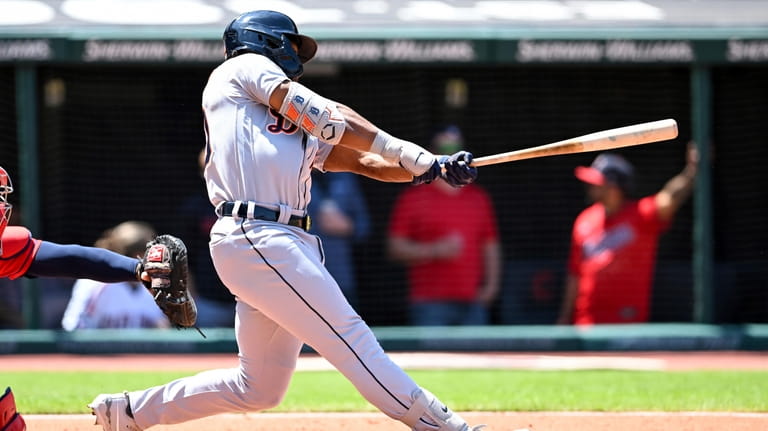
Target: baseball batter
pixel 266 132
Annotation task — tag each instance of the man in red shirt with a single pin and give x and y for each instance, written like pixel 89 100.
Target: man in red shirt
pixel 614 242
pixel 448 239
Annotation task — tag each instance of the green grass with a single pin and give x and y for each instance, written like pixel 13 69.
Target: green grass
pixel 482 390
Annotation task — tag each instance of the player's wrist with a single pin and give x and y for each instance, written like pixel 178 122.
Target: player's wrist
pixel 689 171
pixel 139 269
pixel 417 160
pixel 414 158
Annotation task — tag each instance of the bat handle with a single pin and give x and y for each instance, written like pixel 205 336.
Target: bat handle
pixel 442 166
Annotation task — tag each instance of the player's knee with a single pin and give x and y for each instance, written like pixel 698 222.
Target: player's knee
pixel 258 401
pixel 256 396
pixel 427 413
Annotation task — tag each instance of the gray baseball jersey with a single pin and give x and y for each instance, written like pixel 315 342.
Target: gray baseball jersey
pixel 286 297
pixel 254 154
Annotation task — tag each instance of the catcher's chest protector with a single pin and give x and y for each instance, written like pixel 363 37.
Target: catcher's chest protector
pixel 10 419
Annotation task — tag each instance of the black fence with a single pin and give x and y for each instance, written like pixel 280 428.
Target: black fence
pixel 121 142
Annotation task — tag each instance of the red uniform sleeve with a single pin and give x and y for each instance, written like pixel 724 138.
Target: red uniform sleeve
pixel 649 212
pixel 19 250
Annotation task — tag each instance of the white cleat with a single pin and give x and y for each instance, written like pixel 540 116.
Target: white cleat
pixel 111 411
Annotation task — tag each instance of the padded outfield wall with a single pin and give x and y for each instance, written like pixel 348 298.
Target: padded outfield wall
pixel 92 117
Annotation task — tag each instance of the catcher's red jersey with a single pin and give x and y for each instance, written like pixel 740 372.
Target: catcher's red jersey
pixel 18 251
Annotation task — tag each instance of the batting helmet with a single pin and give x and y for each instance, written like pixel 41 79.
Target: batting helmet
pixel 270 34
pixel 5 207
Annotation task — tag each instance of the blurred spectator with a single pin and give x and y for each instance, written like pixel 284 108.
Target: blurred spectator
pixel 126 304
pixel 614 242
pixel 447 237
pixel 215 304
pixel 340 218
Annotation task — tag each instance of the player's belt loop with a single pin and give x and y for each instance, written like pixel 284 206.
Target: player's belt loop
pixel 284 215
pixel 236 209
pixel 251 208
pixel 220 209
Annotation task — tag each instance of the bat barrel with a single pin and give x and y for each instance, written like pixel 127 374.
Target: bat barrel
pixel 636 134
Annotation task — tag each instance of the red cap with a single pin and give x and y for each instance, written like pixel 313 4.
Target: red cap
pixel 607 168
pixel 589 175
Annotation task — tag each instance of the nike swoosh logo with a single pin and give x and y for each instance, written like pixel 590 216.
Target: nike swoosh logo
pixel 444 409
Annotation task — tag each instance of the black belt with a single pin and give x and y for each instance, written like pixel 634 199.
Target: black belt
pixel 261 213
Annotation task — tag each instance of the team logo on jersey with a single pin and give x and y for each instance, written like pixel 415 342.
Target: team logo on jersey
pixel 281 125
pixel 609 241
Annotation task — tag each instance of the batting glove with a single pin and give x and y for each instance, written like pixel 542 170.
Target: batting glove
pixel 434 171
pixel 458 171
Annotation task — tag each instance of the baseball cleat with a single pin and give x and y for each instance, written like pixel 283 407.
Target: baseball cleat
pixel 111 411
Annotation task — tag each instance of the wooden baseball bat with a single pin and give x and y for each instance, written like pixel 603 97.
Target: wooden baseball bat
pixel 636 134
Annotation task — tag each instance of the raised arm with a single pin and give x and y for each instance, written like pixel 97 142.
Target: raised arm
pixel 675 192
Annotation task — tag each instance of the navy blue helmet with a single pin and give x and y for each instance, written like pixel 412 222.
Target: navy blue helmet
pixel 270 34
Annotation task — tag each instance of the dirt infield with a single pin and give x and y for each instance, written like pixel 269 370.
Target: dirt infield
pixel 718 360
pixel 496 422
pixel 499 421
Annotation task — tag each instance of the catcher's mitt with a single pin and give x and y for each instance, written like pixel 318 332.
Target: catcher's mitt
pixel 165 261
